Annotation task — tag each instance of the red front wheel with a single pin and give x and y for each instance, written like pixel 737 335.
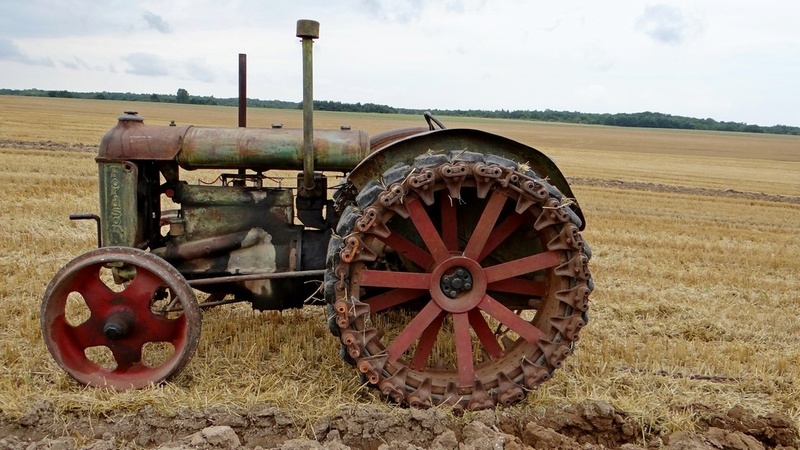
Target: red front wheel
pixel 120 317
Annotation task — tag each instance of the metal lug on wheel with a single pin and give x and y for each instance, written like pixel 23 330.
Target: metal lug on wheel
pixel 394 386
pixel 421 398
pixel 508 392
pixel 480 398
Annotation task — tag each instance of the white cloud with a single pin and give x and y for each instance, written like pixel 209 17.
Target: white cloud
pixel 9 51
pixel 147 64
pixel 666 24
pixel 728 60
pixel 156 22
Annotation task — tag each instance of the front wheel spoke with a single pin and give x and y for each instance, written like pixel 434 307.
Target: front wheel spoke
pixel 86 335
pixel 528 264
pixel 427 231
pixel 161 329
pixel 485 334
pixel 95 293
pixel 506 228
pixel 426 342
pixel 127 354
pixel 519 286
pixel 390 279
pixel 485 225
pixel 412 331
pixel 143 288
pixel 514 322
pixel 466 367
pixel 392 298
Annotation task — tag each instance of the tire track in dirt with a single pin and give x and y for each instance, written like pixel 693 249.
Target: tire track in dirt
pixel 666 188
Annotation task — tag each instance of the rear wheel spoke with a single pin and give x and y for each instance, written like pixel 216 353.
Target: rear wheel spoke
pixel 392 298
pixel 399 280
pixel 485 334
pixel 506 228
pixel 426 342
pixel 517 267
pixel 449 222
pixel 485 225
pixel 408 249
pixel 427 231
pixel 466 367
pixel 519 286
pixel 412 331
pixel 514 322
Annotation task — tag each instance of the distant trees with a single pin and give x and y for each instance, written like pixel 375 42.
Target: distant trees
pixel 182 96
pixel 645 119
pixel 60 94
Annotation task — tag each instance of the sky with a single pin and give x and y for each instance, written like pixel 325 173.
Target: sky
pixel 730 60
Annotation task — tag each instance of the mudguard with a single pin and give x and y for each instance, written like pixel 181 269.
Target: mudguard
pixel 404 151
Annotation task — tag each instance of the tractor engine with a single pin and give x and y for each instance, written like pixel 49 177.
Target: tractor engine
pixel 233 233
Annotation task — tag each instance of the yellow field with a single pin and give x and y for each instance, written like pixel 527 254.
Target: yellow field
pixel 696 304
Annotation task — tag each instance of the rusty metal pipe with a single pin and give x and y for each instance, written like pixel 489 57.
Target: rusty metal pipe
pixel 266 149
pixel 231 148
pixel 242 96
pixel 242 90
pixel 257 276
pixel 308 30
pixel 204 247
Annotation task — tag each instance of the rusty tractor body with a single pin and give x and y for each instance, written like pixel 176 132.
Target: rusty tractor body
pixel 451 260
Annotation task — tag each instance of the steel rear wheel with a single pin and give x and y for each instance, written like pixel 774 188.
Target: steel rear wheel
pixel 460 280
pixel 120 318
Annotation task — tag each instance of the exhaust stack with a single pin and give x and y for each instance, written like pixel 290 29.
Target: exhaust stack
pixel 308 30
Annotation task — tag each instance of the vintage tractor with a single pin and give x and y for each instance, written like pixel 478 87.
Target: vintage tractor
pixel 451 260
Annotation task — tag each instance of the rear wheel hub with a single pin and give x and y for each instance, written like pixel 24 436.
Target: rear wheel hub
pixel 457 282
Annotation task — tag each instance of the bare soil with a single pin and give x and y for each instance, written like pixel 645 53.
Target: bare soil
pixel 592 425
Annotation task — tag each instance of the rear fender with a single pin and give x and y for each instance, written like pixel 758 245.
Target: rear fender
pixel 406 149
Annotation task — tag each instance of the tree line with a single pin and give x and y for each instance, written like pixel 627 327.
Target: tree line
pixel 641 119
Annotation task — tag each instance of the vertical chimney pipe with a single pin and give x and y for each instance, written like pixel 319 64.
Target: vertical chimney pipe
pixel 308 30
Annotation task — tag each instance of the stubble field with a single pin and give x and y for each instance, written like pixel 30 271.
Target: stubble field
pixel 694 321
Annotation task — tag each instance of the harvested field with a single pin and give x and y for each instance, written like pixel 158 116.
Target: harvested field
pixel 694 338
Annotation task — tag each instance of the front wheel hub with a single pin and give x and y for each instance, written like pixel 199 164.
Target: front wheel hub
pixel 117 326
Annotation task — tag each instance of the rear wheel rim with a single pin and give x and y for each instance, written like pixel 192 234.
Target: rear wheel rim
pixel 496 354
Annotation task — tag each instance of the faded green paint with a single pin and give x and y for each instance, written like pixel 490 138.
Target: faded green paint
pixel 232 148
pixel 211 211
pixel 265 149
pixel 119 224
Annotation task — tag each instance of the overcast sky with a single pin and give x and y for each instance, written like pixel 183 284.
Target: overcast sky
pixel 731 60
